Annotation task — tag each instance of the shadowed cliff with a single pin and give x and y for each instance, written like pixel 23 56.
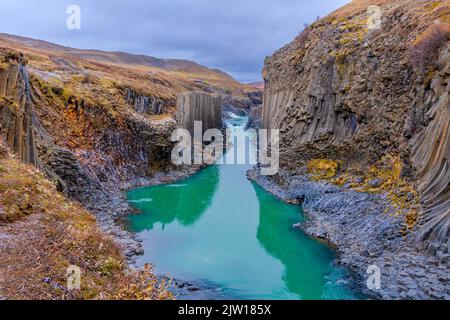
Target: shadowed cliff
pixel 358 96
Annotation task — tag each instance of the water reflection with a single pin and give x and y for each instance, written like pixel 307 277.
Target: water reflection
pixel 184 202
pixel 304 270
pixel 218 226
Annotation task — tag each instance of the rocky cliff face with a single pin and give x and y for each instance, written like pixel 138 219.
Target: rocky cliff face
pixel 430 155
pixel 195 106
pixel 18 119
pixel 147 84
pixel 343 92
pixel 98 122
pixel 93 148
pixel 98 117
pixel 149 104
pixel 255 118
pixel 89 149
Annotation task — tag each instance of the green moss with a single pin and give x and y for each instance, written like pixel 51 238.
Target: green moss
pixel 433 5
pixel 341 63
pixel 44 86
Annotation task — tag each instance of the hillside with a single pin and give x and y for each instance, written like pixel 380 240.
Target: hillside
pixel 58 233
pixel 147 78
pixel 259 85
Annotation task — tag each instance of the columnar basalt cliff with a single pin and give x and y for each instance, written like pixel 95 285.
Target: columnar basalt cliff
pixel 98 148
pixel 430 151
pixel 149 104
pixel 43 233
pixel 88 118
pixel 195 106
pixel 15 85
pixel 34 216
pixel 88 152
pixel 368 109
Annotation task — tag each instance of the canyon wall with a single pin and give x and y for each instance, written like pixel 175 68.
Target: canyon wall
pixel 430 151
pixel 149 104
pixel 355 95
pixel 196 106
pixel 17 120
pixel 81 146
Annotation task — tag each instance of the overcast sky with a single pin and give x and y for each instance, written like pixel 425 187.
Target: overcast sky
pixel 232 35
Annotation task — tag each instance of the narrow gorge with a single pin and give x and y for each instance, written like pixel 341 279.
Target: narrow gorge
pixel 87 177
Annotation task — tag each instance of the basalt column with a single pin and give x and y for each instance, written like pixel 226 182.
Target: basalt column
pixel 16 109
pixel 196 106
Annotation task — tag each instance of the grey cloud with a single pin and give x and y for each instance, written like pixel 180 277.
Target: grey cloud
pixel 234 36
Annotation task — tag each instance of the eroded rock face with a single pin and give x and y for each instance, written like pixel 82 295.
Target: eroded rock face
pixel 95 147
pixel 149 104
pixel 18 116
pixel 344 92
pixel 196 106
pixel 254 118
pixel 430 151
pixel 90 151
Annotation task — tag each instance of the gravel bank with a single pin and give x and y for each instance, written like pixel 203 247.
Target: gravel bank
pixel 364 235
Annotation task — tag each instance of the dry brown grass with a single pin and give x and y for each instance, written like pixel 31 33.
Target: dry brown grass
pixel 400 192
pixel 356 7
pixel 92 72
pixel 423 52
pixel 322 169
pixel 42 233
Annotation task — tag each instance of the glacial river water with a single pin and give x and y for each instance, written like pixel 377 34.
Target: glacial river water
pixel 219 227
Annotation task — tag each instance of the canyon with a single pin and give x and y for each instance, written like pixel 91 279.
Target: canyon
pixel 364 122
pixel 95 124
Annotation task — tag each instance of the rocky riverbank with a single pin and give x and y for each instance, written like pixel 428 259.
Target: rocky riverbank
pixel 355 223
pixel 110 207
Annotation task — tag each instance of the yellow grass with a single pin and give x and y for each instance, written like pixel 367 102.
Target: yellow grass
pixel 43 233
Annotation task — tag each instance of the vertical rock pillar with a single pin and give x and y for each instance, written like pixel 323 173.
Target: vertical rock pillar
pixel 16 119
pixel 197 106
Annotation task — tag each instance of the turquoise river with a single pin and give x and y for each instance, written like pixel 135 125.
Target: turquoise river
pixel 219 227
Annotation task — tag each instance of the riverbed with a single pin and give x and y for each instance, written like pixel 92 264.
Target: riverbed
pixel 220 228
